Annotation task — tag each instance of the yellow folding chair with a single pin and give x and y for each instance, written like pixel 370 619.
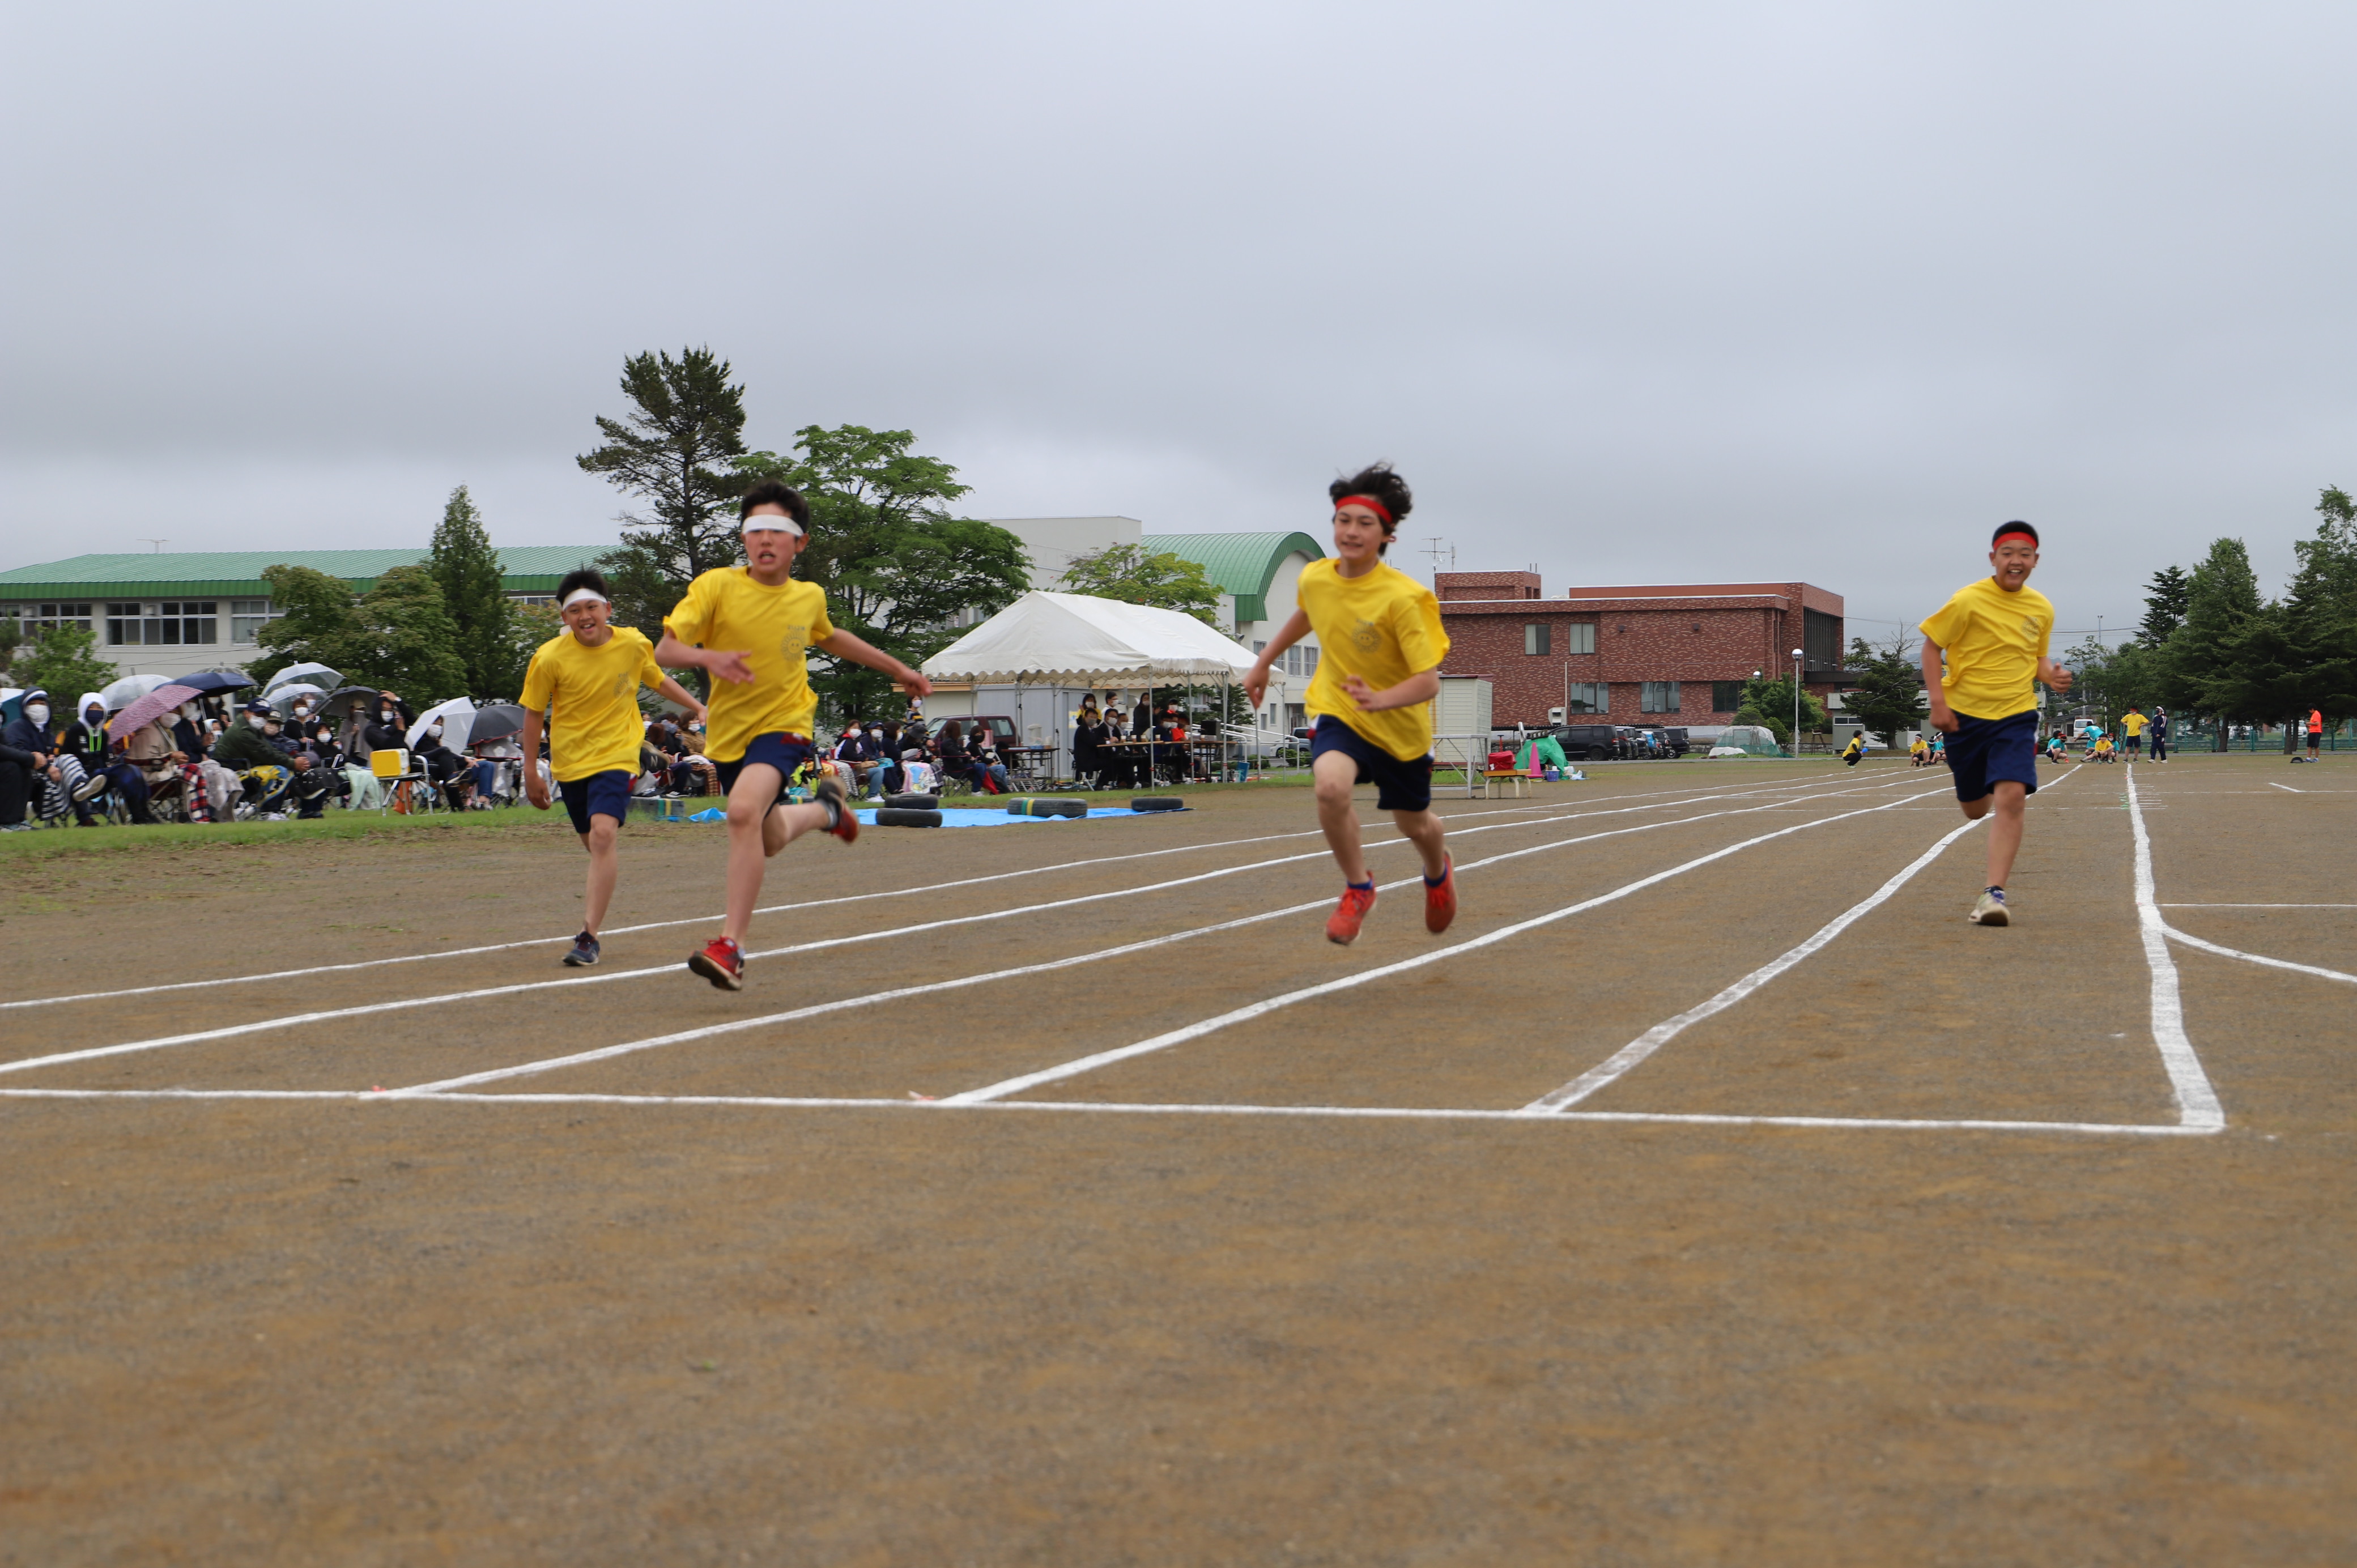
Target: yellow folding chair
pixel 399 776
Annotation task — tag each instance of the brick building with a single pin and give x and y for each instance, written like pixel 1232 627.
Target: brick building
pixel 1643 655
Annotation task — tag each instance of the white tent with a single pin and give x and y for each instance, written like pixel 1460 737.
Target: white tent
pixel 1076 639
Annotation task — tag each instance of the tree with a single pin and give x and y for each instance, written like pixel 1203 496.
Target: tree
pixel 467 569
pixel 409 640
pixel 1889 695
pixel 1130 574
pixel 1773 699
pixel 900 571
pixel 317 622
pixel 2221 598
pixel 2319 613
pixel 2163 608
pixel 64 662
pixel 12 638
pixel 674 451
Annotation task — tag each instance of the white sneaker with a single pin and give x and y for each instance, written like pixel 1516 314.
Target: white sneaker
pixel 1991 909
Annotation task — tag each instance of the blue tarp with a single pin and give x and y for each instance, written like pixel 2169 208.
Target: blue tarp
pixel 992 817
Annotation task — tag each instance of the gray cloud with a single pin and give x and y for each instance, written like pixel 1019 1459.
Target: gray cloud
pixel 1634 293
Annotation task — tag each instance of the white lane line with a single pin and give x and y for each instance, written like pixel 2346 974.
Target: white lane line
pixel 2259 905
pixel 990 977
pixel 2197 1102
pixel 2286 787
pixel 1667 801
pixel 1617 1065
pixel 1097 1107
pixel 1073 1068
pixel 2177 936
pixel 894 933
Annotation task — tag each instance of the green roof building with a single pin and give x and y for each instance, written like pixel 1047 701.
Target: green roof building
pixel 171 613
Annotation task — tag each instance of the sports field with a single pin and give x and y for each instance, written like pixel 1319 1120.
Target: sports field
pixel 1711 1193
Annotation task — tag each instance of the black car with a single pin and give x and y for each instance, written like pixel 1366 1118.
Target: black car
pixel 1591 743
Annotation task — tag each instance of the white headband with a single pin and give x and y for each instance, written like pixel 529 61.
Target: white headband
pixel 784 524
pixel 577 595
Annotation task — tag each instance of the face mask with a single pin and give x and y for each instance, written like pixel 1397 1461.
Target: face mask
pixel 384 712
pixel 434 731
pixel 37 711
pixel 188 710
pixel 324 737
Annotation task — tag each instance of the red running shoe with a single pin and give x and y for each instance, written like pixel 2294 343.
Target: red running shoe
pixel 1440 903
pixel 840 821
pixel 1342 925
pixel 722 962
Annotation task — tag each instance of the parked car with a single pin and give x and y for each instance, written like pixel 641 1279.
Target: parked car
pixel 1675 739
pixel 1591 743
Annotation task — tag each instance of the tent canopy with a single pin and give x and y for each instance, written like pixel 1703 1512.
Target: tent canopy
pixel 1078 639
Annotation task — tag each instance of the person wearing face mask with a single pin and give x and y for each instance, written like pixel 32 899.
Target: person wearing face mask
pixel 389 730
pixel 25 752
pixel 445 769
pixel 104 761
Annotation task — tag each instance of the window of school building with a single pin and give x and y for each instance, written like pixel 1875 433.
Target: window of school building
pixel 1726 696
pixel 1535 638
pixel 1658 697
pixel 1587 697
pixel 247 618
pixel 167 623
pixel 33 619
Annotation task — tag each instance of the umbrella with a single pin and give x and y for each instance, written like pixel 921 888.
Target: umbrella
pixel 213 681
pixel 496 722
pixel 283 697
pixel 11 706
pixel 325 678
pixel 129 690
pixel 145 711
pixel 457 716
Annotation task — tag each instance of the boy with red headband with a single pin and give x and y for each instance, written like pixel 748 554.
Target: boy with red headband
pixel 1994 634
pixel 750 626
pixel 1378 668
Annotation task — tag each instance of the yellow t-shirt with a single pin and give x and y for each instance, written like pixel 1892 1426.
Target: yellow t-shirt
pixel 1993 641
pixel 596 727
pixel 1383 628
pixel 2134 724
pixel 727 610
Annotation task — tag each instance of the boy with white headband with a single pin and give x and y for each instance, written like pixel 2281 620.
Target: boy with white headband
pixel 750 627
pixel 589 678
pixel 1380 644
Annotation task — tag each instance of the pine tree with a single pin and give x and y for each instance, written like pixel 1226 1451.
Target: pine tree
pixel 410 640
pixel 2221 600
pixel 467 569
pixel 2320 611
pixel 674 450
pixel 2163 608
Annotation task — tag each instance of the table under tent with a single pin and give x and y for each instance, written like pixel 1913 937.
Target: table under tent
pixel 1037 657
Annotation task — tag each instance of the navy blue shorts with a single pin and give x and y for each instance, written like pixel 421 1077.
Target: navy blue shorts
pixel 784 752
pixel 1399 786
pixel 1984 751
pixel 606 794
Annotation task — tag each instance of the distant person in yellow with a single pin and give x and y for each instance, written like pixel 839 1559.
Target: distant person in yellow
pixel 2132 724
pixel 1919 752
pixel 1854 750
pixel 1380 629
pixel 1994 635
pixel 750 626
pixel 2103 751
pixel 587 679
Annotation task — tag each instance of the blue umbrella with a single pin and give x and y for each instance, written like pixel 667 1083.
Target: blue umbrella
pixel 213 681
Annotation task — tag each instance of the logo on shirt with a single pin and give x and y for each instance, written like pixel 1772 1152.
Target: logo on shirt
pixel 1366 636
pixel 2029 626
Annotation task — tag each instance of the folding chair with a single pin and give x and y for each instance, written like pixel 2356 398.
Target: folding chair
pixel 402 778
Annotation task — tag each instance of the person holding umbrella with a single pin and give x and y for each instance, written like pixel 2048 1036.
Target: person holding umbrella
pixel 587 679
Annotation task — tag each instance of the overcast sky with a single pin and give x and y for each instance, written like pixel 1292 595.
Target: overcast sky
pixel 1637 292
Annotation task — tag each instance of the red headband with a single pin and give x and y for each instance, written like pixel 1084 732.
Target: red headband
pixel 1372 504
pixel 2014 533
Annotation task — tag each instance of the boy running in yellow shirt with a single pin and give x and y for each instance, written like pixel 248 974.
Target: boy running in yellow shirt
pixel 1378 668
pixel 587 678
pixel 1995 633
pixel 750 626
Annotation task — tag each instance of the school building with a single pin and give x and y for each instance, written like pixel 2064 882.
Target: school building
pixel 177 614
pixel 1650 655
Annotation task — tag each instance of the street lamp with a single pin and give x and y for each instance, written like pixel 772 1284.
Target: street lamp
pixel 1796 702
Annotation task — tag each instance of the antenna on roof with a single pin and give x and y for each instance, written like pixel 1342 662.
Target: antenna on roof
pixel 158 544
pixel 1438 548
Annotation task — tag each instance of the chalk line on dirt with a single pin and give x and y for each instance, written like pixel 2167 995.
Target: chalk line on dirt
pixel 709 1031
pixel 1077 1066
pixel 435 999
pixel 1668 799
pixel 2197 1102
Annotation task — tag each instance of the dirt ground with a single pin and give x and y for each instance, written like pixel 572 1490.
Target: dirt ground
pixel 661 1274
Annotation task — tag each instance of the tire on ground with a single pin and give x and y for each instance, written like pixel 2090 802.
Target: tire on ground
pixel 903 817
pixel 1156 803
pixel 913 803
pixel 1046 806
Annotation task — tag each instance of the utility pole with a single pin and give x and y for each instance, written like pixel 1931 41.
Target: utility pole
pixel 157 544
pixel 1796 702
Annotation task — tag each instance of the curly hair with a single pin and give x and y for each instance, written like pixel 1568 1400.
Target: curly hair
pixel 1378 480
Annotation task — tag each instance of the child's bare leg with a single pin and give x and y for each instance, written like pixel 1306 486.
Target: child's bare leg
pixel 2007 798
pixel 605 866
pixel 1423 829
pixel 1334 774
pixel 749 826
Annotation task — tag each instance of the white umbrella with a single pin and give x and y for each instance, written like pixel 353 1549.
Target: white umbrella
pixel 457 716
pixel 283 697
pixel 325 678
pixel 122 694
